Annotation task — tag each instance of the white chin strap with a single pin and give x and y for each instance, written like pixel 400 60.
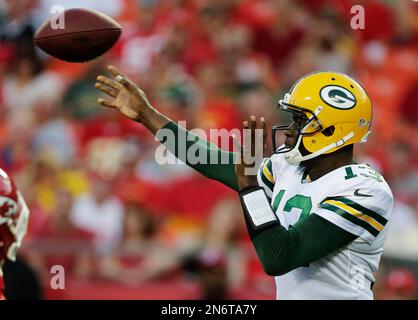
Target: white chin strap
pixel 294 156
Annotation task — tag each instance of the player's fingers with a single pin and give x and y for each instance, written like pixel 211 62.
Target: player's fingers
pixel 253 126
pixel 128 84
pixel 236 142
pixel 114 71
pixel 238 146
pixel 121 78
pixel 106 103
pixel 263 127
pixel 124 80
pixel 245 133
pixel 109 82
pixel 108 90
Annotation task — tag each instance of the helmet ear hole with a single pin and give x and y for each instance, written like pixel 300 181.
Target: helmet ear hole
pixel 328 132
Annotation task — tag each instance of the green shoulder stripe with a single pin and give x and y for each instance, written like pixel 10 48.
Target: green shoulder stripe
pixel 350 218
pixel 270 166
pixel 264 179
pixel 360 208
pixel 267 182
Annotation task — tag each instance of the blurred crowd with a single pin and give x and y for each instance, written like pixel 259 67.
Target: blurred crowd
pixel 106 211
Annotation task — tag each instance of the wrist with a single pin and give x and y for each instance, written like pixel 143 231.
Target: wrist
pixel 145 115
pixel 247 182
pixel 258 214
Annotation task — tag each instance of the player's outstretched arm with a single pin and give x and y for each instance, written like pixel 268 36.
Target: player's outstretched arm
pixel 130 100
pixel 125 96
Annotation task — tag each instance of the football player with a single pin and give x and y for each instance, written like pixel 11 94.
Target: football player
pixel 14 216
pixel 317 218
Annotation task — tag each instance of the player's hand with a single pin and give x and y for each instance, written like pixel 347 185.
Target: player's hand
pixel 245 172
pixel 124 95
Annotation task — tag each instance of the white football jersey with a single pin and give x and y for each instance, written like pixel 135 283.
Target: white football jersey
pixel 357 199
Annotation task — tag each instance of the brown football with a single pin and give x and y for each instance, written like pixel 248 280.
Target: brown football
pixel 81 35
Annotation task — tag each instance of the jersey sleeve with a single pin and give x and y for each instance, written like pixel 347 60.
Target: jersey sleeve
pixel 271 171
pixel 362 209
pixel 265 176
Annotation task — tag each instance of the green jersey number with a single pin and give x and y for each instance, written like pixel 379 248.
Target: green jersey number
pixel 300 202
pixel 367 171
pixel 297 201
pixel 349 173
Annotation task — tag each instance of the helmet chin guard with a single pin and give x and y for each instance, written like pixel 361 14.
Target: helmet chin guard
pixel 295 157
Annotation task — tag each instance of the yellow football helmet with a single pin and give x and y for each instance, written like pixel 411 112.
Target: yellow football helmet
pixel 337 110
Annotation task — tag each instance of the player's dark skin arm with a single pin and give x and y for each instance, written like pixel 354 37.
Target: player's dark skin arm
pixel 279 250
pixel 130 100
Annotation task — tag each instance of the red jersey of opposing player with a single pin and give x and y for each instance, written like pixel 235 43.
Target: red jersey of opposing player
pixel 14 215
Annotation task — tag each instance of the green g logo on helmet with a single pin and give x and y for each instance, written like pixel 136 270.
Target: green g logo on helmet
pixel 338 97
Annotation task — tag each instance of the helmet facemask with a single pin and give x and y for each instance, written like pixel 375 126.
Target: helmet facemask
pixel 305 124
pixel 297 153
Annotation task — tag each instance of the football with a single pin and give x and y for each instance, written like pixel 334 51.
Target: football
pixel 77 35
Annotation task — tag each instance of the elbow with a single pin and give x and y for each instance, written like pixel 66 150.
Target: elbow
pixel 275 270
pixel 273 253
pixel 270 271
pixel 275 265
